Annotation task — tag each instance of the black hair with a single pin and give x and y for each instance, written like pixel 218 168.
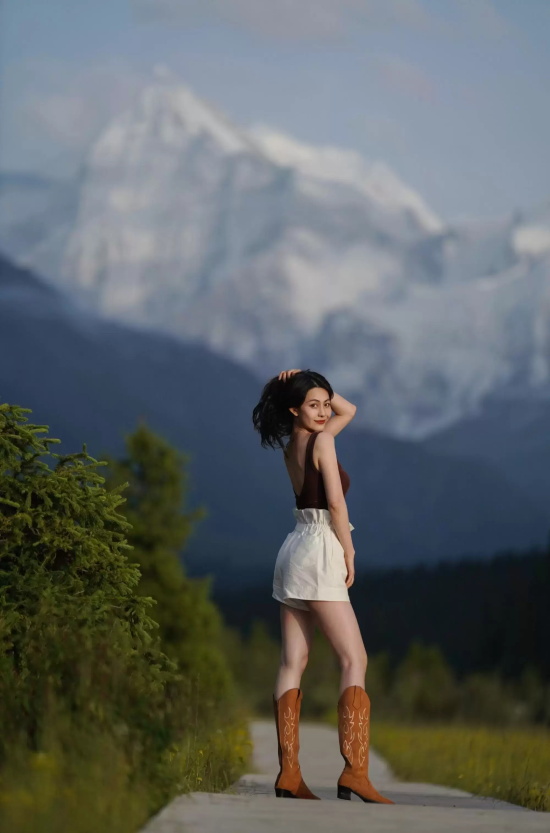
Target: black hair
pixel 271 416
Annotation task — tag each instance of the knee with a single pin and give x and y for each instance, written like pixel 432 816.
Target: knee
pixel 295 662
pixel 356 661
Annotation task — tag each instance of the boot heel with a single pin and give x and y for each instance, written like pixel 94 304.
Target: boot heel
pixel 345 793
pixel 286 711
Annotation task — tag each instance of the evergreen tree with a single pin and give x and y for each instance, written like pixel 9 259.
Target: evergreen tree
pixel 190 624
pixel 72 626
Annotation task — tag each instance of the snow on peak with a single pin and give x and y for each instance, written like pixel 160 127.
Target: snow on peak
pixel 323 161
pixel 346 166
pixel 168 112
pixel 232 237
pixel 385 186
pixel 532 235
pixel 532 240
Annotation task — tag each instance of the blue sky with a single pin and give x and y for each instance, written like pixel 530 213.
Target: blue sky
pixel 452 94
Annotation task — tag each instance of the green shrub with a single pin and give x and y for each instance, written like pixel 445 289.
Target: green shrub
pixel 71 624
pixel 93 712
pixel 424 684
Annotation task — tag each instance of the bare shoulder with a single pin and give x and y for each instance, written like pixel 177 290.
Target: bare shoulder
pixel 324 449
pixel 325 440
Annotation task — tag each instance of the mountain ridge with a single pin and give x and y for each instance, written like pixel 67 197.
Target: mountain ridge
pixel 274 253
pixel 91 380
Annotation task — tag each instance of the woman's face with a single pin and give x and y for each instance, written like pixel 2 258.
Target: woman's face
pixel 315 410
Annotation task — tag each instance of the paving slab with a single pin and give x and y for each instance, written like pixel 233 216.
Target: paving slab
pixel 250 805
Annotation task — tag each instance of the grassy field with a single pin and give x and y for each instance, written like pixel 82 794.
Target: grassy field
pixel 512 764
pixel 89 785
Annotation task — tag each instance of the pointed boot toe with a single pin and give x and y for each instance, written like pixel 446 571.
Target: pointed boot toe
pixel 289 782
pixel 354 737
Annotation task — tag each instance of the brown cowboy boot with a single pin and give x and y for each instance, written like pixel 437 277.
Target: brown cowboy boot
pixel 353 734
pixel 289 782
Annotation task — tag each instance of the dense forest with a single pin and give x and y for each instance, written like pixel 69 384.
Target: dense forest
pixel 485 615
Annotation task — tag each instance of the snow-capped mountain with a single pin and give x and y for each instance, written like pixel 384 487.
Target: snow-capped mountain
pixel 278 253
pixel 96 379
pixel 332 164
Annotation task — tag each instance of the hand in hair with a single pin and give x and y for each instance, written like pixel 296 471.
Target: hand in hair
pixel 284 375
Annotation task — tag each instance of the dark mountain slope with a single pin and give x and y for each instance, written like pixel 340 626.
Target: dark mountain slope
pixel 512 435
pixel 91 380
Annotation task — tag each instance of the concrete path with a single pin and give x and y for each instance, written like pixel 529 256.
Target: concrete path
pixel 250 805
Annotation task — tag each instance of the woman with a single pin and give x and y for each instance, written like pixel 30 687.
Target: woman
pixel 313 571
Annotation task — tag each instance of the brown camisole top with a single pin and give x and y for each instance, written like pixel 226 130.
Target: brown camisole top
pixel 313 491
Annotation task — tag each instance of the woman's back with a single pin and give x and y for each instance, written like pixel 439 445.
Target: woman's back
pixel 312 494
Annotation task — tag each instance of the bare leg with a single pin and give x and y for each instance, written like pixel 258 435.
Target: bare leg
pixel 338 622
pixel 297 629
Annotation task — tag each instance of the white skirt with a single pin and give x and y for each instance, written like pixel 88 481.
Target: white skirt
pixel 310 563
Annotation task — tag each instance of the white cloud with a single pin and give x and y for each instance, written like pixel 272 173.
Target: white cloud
pixel 332 20
pixel 291 19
